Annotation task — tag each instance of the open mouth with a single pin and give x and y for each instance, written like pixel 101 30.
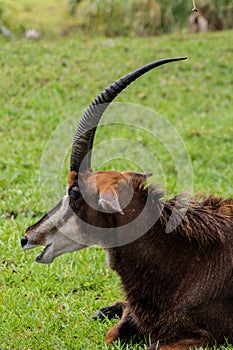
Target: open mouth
pixel 44 257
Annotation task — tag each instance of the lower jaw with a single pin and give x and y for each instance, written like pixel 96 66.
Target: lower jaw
pixel 43 260
pixel 43 257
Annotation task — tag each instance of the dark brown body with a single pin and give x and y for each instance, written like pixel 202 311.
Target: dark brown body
pixel 178 285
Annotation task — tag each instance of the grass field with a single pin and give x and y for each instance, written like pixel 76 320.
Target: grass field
pixel 42 84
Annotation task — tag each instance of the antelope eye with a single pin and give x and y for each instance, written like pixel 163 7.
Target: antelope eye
pixel 74 192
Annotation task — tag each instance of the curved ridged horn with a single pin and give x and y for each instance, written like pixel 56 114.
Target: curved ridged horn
pixel 80 159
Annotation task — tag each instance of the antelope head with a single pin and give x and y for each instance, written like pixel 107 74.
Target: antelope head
pixel 94 199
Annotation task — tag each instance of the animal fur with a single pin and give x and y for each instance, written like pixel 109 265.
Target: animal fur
pixel 178 285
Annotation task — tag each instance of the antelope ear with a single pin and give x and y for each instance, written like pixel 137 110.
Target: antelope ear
pixel 109 201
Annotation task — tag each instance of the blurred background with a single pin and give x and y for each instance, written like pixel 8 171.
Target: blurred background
pixel 128 18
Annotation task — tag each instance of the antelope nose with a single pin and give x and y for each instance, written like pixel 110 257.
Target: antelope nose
pixel 24 241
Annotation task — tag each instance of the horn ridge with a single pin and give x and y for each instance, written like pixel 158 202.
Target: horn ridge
pixel 84 137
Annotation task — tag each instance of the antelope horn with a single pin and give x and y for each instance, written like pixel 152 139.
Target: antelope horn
pixel 80 159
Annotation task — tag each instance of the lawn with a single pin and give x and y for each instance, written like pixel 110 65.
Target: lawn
pixel 44 83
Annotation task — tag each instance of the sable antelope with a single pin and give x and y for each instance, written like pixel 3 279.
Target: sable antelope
pixel 178 285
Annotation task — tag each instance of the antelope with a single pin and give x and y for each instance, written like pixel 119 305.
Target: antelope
pixel 178 285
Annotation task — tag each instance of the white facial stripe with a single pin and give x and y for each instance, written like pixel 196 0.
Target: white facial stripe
pixel 70 228
pixel 57 215
pixel 46 226
pixel 59 232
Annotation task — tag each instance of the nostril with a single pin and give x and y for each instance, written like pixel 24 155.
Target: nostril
pixel 24 241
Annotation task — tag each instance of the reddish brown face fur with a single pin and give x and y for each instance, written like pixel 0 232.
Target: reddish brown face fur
pixel 106 183
pixel 72 175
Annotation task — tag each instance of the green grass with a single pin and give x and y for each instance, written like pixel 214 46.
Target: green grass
pixel 42 84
